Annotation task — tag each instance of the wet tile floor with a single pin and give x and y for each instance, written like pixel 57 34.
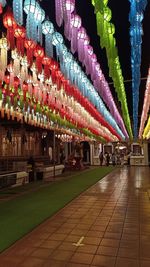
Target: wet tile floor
pixel 106 226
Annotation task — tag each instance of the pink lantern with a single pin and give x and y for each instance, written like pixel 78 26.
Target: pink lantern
pixel 92 63
pixel 87 59
pixel 69 8
pixel 81 39
pixel 59 12
pixel 96 67
pixel 75 25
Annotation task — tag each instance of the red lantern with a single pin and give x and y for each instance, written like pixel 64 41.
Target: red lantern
pixel 16 83
pixel 59 76
pixel 30 46
pixel 20 36
pixel 46 62
pixel 39 54
pixel 7 79
pixel 25 89
pixel 54 68
pixel 10 24
pixel 1 9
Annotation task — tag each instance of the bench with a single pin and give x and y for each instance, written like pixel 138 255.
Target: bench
pixel 13 179
pixel 47 173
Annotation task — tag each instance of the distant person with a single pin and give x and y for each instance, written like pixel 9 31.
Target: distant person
pixel 113 159
pixel 31 173
pixel 107 159
pixel 101 158
pixel 129 155
pixel 50 152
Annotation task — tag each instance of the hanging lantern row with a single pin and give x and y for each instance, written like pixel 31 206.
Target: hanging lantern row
pixel 146 134
pixel 135 17
pixel 77 116
pixel 146 106
pixel 32 8
pixel 37 51
pixel 38 119
pixel 106 30
pixel 73 72
pixel 40 92
pixel 73 30
pixel 22 72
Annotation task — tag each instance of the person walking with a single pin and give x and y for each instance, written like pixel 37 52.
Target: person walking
pixel 107 159
pixel 101 158
pixel 113 159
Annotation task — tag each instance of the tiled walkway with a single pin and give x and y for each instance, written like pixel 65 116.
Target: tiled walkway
pixel 111 220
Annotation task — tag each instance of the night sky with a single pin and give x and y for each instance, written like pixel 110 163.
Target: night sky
pixel 120 11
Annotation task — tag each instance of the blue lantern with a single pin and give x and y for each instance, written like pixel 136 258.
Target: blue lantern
pixel 18 11
pixel 57 41
pixel 29 9
pixel 48 30
pixel 35 16
pixel 39 16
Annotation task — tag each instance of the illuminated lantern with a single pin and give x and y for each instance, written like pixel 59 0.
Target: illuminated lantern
pixel 57 40
pixel 29 9
pixel 24 69
pixel 46 62
pixel 18 11
pixel 39 54
pixel 59 11
pixel 92 63
pixel 58 79
pixel 75 25
pixel 35 16
pixel 69 9
pixel 25 89
pixel 83 40
pixel 107 14
pixel 10 25
pixel 2 4
pixel 20 36
pixel 7 79
pixel 48 30
pixel 53 68
pixel 16 83
pixel 11 71
pixel 34 73
pixel 87 59
pixel 3 54
pixel 16 58
pixel 39 16
pixel 30 46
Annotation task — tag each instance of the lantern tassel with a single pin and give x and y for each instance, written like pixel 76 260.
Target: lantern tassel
pixel 49 45
pixel 18 11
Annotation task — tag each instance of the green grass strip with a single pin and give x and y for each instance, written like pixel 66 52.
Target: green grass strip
pixel 22 214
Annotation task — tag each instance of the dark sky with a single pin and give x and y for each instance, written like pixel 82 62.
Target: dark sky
pixel 120 11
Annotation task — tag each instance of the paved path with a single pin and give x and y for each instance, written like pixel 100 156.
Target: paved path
pixel 107 226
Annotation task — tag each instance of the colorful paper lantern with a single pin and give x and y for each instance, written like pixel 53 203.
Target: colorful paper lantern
pixel 18 11
pixel 10 25
pixel 3 54
pixel 39 54
pixel 48 30
pixel 75 25
pixel 30 45
pixel 20 33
